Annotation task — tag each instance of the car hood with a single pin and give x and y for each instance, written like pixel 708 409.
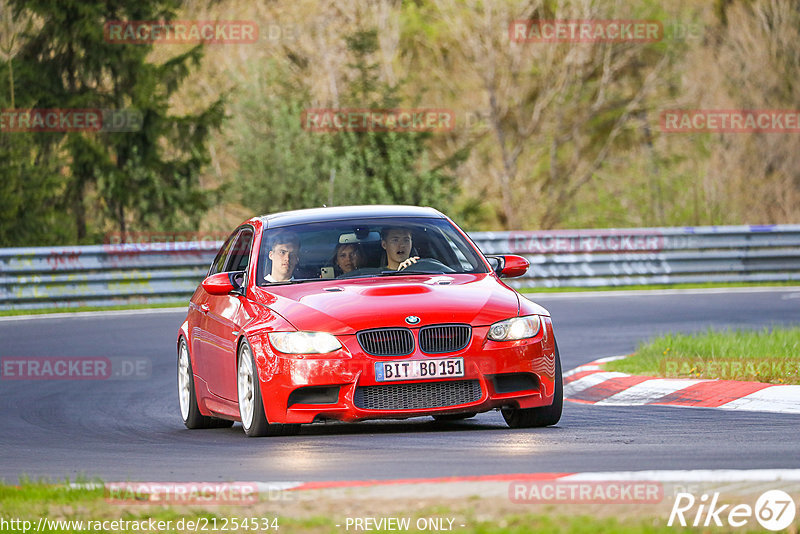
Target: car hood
pixel 347 306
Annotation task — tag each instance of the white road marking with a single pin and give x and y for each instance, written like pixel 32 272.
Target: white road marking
pixel 586 382
pixel 699 475
pixel 648 391
pixel 783 399
pixel 581 369
pixel 592 366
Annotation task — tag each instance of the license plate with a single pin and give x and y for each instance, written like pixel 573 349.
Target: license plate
pixel 416 369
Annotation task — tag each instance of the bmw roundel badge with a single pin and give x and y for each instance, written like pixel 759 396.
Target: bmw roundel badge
pixel 412 319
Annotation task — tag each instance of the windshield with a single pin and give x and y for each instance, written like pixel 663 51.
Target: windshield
pixel 364 248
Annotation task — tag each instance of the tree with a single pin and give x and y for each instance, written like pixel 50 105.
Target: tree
pixel 751 61
pixel 30 185
pixel 148 177
pixel 30 179
pixel 387 167
pixel 283 166
pixel 554 113
pixel 280 165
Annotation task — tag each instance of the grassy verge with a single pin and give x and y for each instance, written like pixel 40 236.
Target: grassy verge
pixel 769 355
pixel 708 285
pixel 171 304
pixel 33 501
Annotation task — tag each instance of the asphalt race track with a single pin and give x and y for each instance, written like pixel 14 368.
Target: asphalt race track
pixel 120 429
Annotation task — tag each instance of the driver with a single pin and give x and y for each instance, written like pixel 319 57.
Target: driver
pixel 397 243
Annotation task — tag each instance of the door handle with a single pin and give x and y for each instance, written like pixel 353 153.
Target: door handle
pixel 204 308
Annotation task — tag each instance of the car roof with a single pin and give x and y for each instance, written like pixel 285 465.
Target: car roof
pixel 341 213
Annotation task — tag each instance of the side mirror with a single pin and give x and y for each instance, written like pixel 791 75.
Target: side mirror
pixel 223 283
pixel 509 265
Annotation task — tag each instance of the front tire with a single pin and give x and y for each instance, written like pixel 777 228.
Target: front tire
pixel 187 397
pixel 251 404
pixel 544 415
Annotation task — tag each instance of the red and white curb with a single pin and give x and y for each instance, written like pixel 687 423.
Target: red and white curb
pixel 497 485
pixel 676 475
pixel 590 384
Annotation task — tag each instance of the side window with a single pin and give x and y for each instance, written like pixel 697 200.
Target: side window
pixel 462 260
pixel 240 253
pixel 222 256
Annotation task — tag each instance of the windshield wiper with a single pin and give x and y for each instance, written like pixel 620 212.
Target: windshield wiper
pixel 357 276
pixel 295 281
pixel 407 271
pixel 388 273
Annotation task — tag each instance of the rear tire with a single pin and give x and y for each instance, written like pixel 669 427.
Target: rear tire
pixel 187 397
pixel 544 415
pixel 251 404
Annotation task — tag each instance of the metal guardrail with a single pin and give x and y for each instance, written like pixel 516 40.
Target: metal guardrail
pixel 638 256
pixel 100 275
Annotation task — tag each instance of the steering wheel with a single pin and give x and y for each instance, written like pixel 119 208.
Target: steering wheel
pixel 429 264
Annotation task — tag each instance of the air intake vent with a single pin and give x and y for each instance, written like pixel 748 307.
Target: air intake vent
pixel 437 339
pixel 417 396
pixel 387 341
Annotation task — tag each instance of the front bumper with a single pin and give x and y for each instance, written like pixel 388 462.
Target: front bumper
pixel 342 386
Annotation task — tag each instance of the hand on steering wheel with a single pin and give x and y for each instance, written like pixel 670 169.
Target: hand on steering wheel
pixel 410 261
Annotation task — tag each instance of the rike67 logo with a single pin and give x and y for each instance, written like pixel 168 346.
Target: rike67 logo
pixel 774 510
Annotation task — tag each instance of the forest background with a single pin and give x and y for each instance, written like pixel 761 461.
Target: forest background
pixel 546 135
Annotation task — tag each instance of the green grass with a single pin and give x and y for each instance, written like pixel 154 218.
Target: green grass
pixel 707 285
pixel 769 355
pixel 171 304
pixel 30 501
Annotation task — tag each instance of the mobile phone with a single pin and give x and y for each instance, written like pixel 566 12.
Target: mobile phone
pixel 326 272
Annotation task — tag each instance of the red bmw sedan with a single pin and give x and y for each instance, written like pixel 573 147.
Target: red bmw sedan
pixel 362 312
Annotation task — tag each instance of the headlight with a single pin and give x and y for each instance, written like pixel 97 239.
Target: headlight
pixel 304 342
pixel 515 328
